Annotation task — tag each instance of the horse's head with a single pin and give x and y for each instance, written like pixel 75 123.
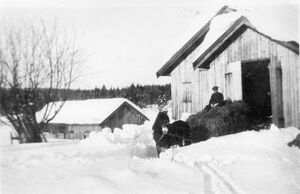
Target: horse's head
pixel 164 118
pixel 161 120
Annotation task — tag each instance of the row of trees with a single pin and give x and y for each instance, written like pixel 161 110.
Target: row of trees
pixel 138 94
pixel 12 99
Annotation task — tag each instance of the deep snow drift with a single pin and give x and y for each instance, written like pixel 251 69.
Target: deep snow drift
pixel 126 162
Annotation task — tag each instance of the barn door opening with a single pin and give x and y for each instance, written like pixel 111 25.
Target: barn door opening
pixel 256 88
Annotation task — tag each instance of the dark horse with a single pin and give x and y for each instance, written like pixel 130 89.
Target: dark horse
pixel 178 132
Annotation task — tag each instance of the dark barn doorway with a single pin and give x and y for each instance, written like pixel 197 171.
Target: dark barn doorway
pixel 256 89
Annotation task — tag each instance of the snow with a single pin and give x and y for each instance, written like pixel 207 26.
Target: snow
pixel 248 162
pixel 195 25
pixel 218 26
pixel 265 23
pixel 185 116
pixel 85 111
pixel 5 130
pixel 125 162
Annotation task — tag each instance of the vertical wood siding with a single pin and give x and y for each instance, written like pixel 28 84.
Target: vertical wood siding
pixel 248 46
pixel 71 131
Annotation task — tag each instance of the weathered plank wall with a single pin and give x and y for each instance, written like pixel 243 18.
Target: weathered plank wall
pixel 248 46
pixel 71 131
pixel 80 131
pixel 183 79
pixel 125 114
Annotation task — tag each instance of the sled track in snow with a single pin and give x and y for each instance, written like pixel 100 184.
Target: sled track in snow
pixel 216 182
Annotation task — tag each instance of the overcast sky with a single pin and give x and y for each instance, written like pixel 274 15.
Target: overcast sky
pixel 126 41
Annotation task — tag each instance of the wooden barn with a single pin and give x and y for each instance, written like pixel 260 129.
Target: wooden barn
pixel 78 118
pixel 247 64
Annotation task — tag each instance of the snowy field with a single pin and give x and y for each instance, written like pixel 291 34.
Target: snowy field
pixel 126 162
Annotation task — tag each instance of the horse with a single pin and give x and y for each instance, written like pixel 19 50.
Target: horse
pixel 168 134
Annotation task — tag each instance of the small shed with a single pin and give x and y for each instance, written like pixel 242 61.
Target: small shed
pixel 233 51
pixel 78 118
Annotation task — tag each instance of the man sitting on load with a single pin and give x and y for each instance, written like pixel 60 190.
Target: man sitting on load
pixel 216 99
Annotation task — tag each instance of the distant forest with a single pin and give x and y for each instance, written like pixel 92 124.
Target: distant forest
pixel 138 94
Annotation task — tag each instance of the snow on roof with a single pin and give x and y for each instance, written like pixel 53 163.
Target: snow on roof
pixel 195 25
pixel 269 24
pixel 92 111
pixel 190 31
pixel 221 23
pixel 218 26
pixel 190 39
pixel 265 23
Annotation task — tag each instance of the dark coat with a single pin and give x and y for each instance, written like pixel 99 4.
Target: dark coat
pixel 216 97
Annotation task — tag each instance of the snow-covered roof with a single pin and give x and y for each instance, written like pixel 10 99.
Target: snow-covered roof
pixel 190 39
pixel 92 111
pixel 225 25
pixel 217 26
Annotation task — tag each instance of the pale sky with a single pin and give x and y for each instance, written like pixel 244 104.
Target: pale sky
pixel 126 41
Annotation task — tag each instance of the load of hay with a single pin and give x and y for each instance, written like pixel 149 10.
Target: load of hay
pixel 228 119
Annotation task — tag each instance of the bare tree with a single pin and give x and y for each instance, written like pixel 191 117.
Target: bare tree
pixel 38 64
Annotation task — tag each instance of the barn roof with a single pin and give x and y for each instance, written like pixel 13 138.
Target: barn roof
pixel 189 46
pixel 219 31
pixel 92 111
pixel 224 30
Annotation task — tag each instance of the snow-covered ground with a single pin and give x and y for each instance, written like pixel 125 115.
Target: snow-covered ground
pixel 126 162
